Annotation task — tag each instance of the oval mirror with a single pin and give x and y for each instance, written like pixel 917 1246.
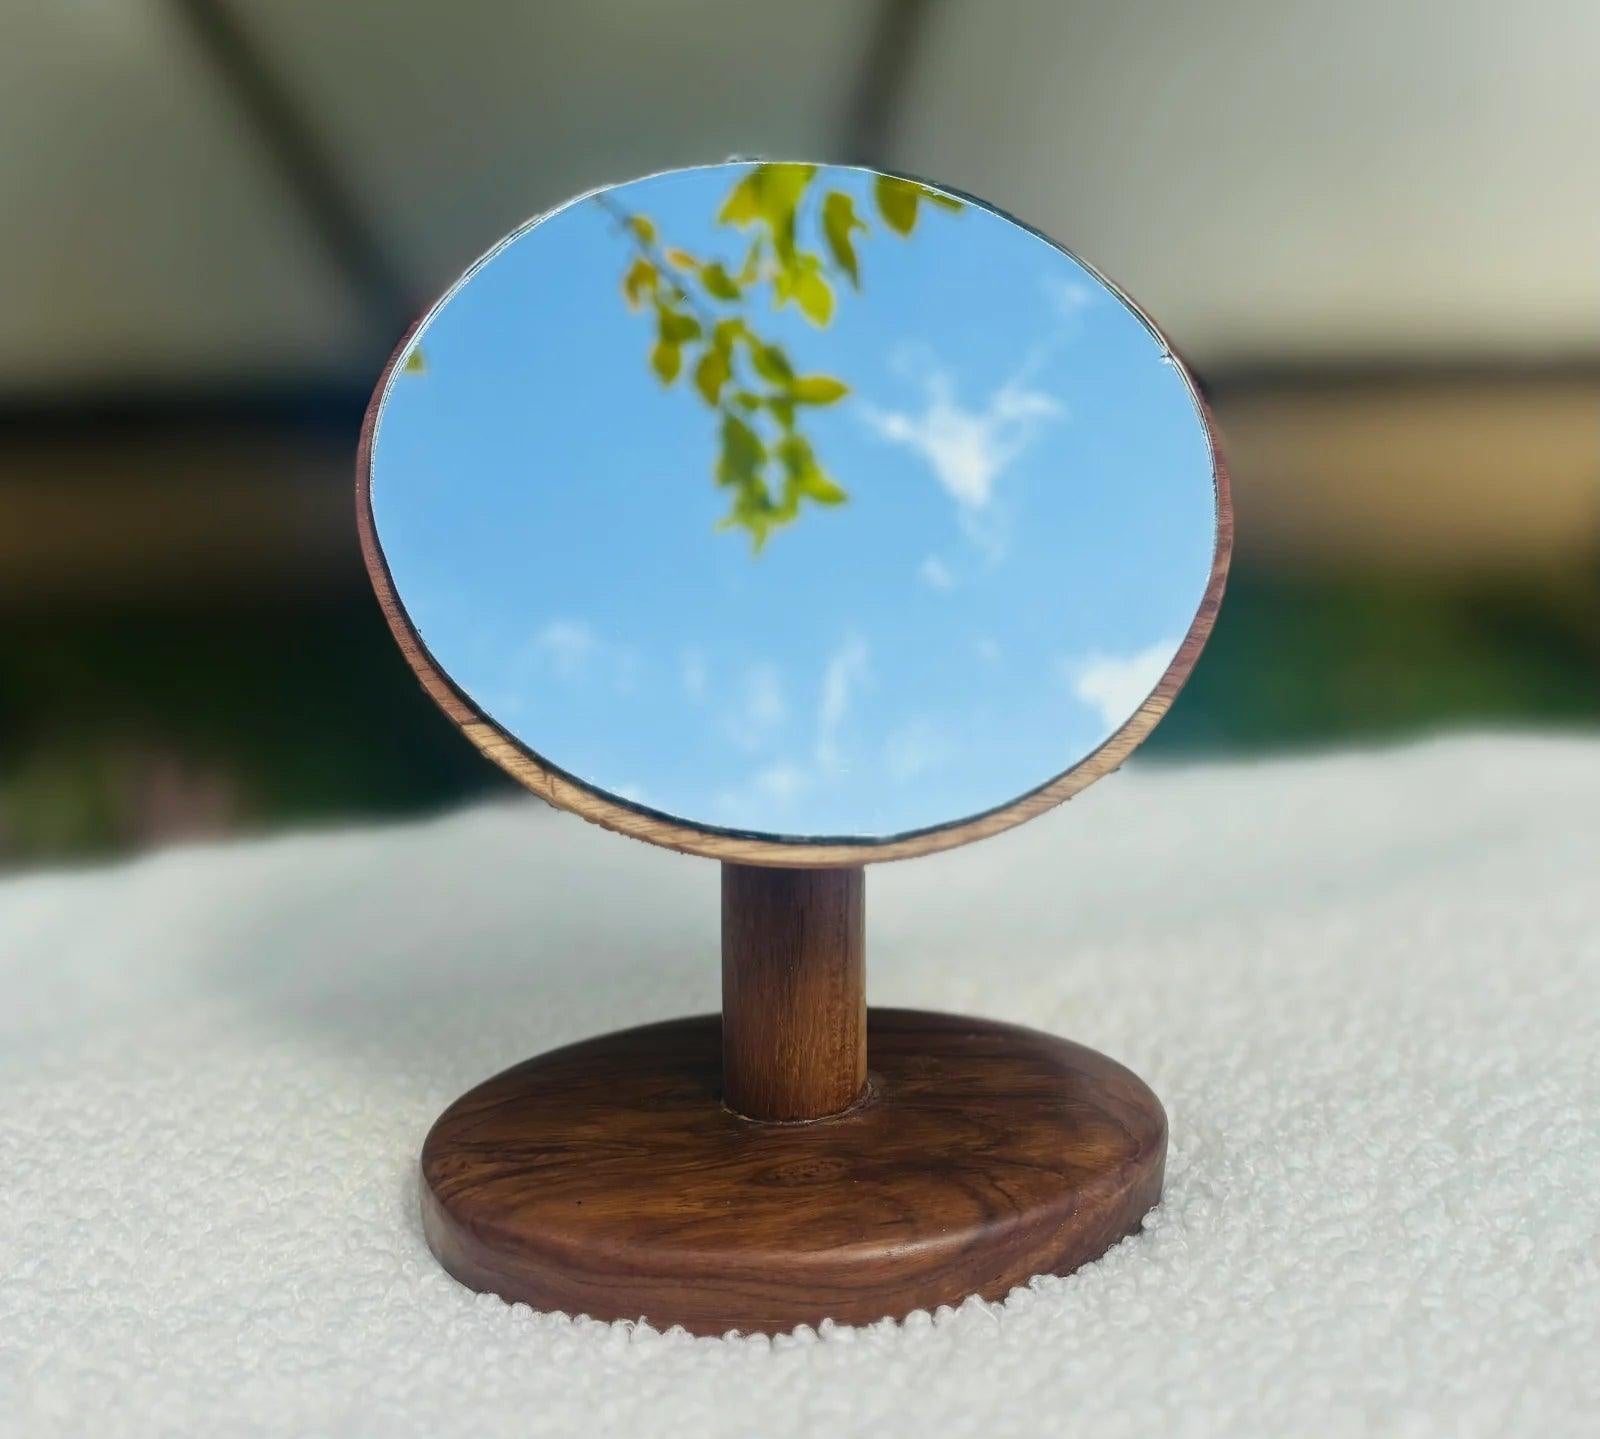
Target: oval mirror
pixel 800 514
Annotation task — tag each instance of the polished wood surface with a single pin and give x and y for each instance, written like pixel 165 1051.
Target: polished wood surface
pixel 608 1178
pixel 569 792
pixel 794 996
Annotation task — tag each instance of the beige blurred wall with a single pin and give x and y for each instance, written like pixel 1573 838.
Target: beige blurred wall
pixel 1487 478
pixel 1276 179
pixel 1279 179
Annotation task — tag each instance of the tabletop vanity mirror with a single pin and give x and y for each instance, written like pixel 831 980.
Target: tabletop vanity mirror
pixel 798 517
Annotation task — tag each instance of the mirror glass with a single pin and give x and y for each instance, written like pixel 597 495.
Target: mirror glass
pixel 792 500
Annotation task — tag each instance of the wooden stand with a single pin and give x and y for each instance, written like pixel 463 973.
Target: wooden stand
pixel 749 1172
pixel 794 991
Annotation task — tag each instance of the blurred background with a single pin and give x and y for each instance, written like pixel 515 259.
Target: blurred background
pixel 1373 228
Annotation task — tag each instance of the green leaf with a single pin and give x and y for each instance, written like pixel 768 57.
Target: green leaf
pixel 743 454
pixel 676 327
pixel 782 185
pixel 682 259
pixel 805 477
pixel 416 363
pixel 754 518
pixel 782 408
pixel 642 228
pixel 815 485
pixel 639 281
pixel 743 204
pixel 802 281
pixel 771 364
pixel 818 390
pixel 794 451
pixel 747 399
pixel 719 282
pixel 666 359
pixel 814 295
pixel 839 221
pixel 752 263
pixel 781 189
pixel 897 202
pixel 712 373
pixel 769 194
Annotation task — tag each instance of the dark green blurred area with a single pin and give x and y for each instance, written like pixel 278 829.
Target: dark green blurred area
pixel 121 729
pixel 1381 657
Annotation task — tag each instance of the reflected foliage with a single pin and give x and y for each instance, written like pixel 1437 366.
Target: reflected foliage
pixel 794 247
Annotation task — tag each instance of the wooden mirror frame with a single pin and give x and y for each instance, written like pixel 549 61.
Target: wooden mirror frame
pixel 796 1157
pixel 566 791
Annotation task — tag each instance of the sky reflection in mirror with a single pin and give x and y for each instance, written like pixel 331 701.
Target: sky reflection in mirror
pixel 800 502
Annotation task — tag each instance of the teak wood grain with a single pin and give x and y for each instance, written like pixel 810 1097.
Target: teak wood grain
pixel 609 1179
pixel 794 995
pixel 568 792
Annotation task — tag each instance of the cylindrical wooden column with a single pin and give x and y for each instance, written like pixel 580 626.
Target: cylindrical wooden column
pixel 794 998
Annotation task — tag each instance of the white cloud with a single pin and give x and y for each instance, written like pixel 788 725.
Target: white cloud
pixel 781 783
pixel 914 750
pixel 760 708
pixel 772 787
pixel 763 697
pixel 575 652
pixel 936 574
pixel 967 449
pixel 568 645
pixel 846 668
pixel 693 672
pixel 775 786
pixel 624 671
pixel 1070 297
pixel 1114 686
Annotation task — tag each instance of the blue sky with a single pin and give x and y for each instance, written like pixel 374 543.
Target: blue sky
pixel 1028 534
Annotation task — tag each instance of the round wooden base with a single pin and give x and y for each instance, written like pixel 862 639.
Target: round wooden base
pixel 608 1179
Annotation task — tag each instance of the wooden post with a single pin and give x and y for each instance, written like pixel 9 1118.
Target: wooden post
pixel 794 999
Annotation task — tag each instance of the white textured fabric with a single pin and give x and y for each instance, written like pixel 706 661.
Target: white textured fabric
pixel 1367 987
